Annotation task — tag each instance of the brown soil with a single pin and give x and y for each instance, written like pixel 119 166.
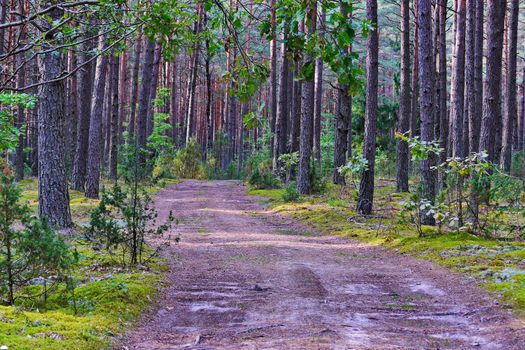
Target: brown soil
pixel 245 278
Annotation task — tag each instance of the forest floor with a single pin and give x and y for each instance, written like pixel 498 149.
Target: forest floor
pixel 245 277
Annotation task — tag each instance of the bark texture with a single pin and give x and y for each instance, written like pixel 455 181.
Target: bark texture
pixel 85 95
pixel 511 104
pixel 492 91
pixel 404 100
pixel 366 188
pixel 53 195
pixel 457 93
pixel 95 124
pixel 304 181
pixel 426 97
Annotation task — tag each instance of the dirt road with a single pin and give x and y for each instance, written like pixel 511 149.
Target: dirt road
pixel 244 278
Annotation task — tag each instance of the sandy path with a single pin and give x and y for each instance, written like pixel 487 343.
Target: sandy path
pixel 243 278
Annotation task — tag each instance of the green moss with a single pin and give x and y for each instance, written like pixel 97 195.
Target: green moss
pixel 107 299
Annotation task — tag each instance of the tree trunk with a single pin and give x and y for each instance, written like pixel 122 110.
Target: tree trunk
pixel 442 83
pixel 304 183
pixel 281 123
pixel 114 126
pixel 273 75
pixel 20 115
pixel 296 112
pixel 521 139
pixel 124 94
pixel 426 98
pixel 318 94
pixel 404 100
pixel 3 18
pixel 475 122
pixel 511 95
pixel 134 89
pixel 94 146
pixel 366 188
pixel 85 95
pixel 342 128
pixel 457 93
pixel 144 100
pixel 191 122
pixel 53 195
pixel 157 57
pixel 470 77
pixel 415 76
pixel 492 91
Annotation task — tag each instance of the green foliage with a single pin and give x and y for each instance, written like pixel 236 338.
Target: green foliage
pixel 9 133
pixel 288 162
pixel 187 163
pixel 255 119
pixel 122 221
pixel 420 150
pixel 327 144
pixel 319 183
pixel 258 170
pixel 263 179
pixel 29 249
pixel 414 208
pixel 353 170
pixel 290 193
pixel 159 141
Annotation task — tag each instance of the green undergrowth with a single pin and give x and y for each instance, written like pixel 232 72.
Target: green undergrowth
pixel 499 265
pixel 107 299
pixel 80 205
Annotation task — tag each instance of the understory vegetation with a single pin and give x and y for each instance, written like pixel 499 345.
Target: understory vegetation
pixel 84 286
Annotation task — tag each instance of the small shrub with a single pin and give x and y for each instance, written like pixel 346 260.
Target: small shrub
pixel 122 221
pixel 263 180
pixel 187 162
pixel 259 171
pixel 318 181
pixel 29 249
pixel 289 162
pixel 290 193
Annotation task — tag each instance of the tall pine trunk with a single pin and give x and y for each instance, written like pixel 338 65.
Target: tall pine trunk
pixel 415 76
pixel 281 123
pixel 273 75
pixel 366 188
pixel 318 94
pixel 53 194
pixel 457 93
pixel 144 100
pixel 426 98
pixel 511 96
pixel 114 125
pixel 304 181
pixel 404 100
pixel 134 89
pixel 95 132
pixel 85 95
pixel 492 91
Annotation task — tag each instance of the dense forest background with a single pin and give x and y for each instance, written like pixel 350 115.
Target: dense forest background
pixel 304 85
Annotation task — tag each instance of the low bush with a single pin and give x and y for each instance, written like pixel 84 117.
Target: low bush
pixel 31 253
pixel 290 193
pixel 258 170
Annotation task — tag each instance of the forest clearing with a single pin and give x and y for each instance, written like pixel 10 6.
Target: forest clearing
pixel 269 174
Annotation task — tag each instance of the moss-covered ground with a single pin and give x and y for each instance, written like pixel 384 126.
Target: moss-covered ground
pixel 107 299
pixel 499 265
